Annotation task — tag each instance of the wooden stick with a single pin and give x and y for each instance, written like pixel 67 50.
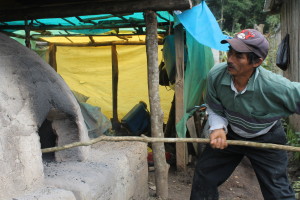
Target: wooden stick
pixel 169 140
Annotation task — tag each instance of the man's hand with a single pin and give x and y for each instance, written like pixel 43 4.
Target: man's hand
pixel 218 139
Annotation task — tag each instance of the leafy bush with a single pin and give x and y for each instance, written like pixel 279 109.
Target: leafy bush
pixel 293 140
pixel 296 186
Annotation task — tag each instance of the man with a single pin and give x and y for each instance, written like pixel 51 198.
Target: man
pixel 246 102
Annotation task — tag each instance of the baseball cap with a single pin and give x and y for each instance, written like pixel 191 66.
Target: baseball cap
pixel 249 40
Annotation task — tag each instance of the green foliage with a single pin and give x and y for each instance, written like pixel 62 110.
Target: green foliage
pixel 234 15
pixel 293 140
pixel 273 21
pixel 296 187
pixel 270 62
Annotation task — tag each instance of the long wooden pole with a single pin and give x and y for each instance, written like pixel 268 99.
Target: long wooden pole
pixel 160 164
pixel 170 140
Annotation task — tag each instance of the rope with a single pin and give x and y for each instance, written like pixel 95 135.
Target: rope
pixel 169 140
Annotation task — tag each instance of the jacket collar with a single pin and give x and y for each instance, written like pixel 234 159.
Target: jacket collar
pixel 226 80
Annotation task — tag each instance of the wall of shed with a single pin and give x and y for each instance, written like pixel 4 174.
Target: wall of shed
pixel 290 15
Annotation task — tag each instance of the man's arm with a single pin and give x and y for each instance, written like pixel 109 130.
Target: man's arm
pixel 216 119
pixel 218 129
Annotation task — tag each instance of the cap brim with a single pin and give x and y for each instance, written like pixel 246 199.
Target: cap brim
pixel 237 45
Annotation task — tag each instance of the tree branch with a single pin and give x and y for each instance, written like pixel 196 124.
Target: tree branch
pixel 170 140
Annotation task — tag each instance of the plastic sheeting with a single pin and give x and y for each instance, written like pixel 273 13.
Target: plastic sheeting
pixel 200 61
pixel 203 33
pixel 88 20
pixel 88 70
pixel 202 25
pixel 96 123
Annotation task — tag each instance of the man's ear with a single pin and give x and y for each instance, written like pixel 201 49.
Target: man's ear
pixel 259 62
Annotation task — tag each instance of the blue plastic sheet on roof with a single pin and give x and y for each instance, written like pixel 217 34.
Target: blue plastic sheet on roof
pixel 89 20
pixel 91 31
pixel 202 25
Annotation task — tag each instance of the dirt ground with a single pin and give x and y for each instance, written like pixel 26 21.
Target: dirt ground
pixel 242 185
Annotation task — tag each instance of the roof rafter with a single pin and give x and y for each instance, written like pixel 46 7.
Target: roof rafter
pixel 107 25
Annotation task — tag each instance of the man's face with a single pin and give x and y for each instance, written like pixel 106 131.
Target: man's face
pixel 238 64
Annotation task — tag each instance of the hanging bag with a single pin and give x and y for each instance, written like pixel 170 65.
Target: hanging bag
pixel 283 53
pixel 163 75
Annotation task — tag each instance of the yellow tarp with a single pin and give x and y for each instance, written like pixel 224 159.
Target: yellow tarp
pixel 88 70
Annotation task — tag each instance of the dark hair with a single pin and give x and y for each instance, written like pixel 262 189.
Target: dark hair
pixel 253 58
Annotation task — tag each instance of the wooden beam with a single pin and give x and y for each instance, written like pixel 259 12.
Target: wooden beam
pixel 115 80
pixel 27 35
pixel 92 8
pixel 52 56
pixel 98 26
pixel 181 148
pixel 101 44
pixel 91 39
pixel 193 132
pixel 35 36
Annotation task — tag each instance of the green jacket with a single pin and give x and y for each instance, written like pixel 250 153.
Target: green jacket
pixel 268 97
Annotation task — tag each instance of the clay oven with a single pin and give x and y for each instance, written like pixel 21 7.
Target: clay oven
pixel 30 93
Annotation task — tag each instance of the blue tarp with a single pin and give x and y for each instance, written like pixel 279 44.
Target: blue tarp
pixel 90 20
pixel 200 61
pixel 202 25
pixel 203 32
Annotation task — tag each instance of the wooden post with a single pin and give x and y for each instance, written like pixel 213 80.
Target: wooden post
pixel 193 132
pixel 115 80
pixel 160 164
pixel 52 56
pixel 181 148
pixel 27 35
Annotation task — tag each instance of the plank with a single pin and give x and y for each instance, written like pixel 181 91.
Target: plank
pixel 115 80
pixel 181 148
pixel 103 44
pixel 52 56
pixel 192 130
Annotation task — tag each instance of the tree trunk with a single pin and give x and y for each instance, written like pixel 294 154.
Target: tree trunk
pixel 160 164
